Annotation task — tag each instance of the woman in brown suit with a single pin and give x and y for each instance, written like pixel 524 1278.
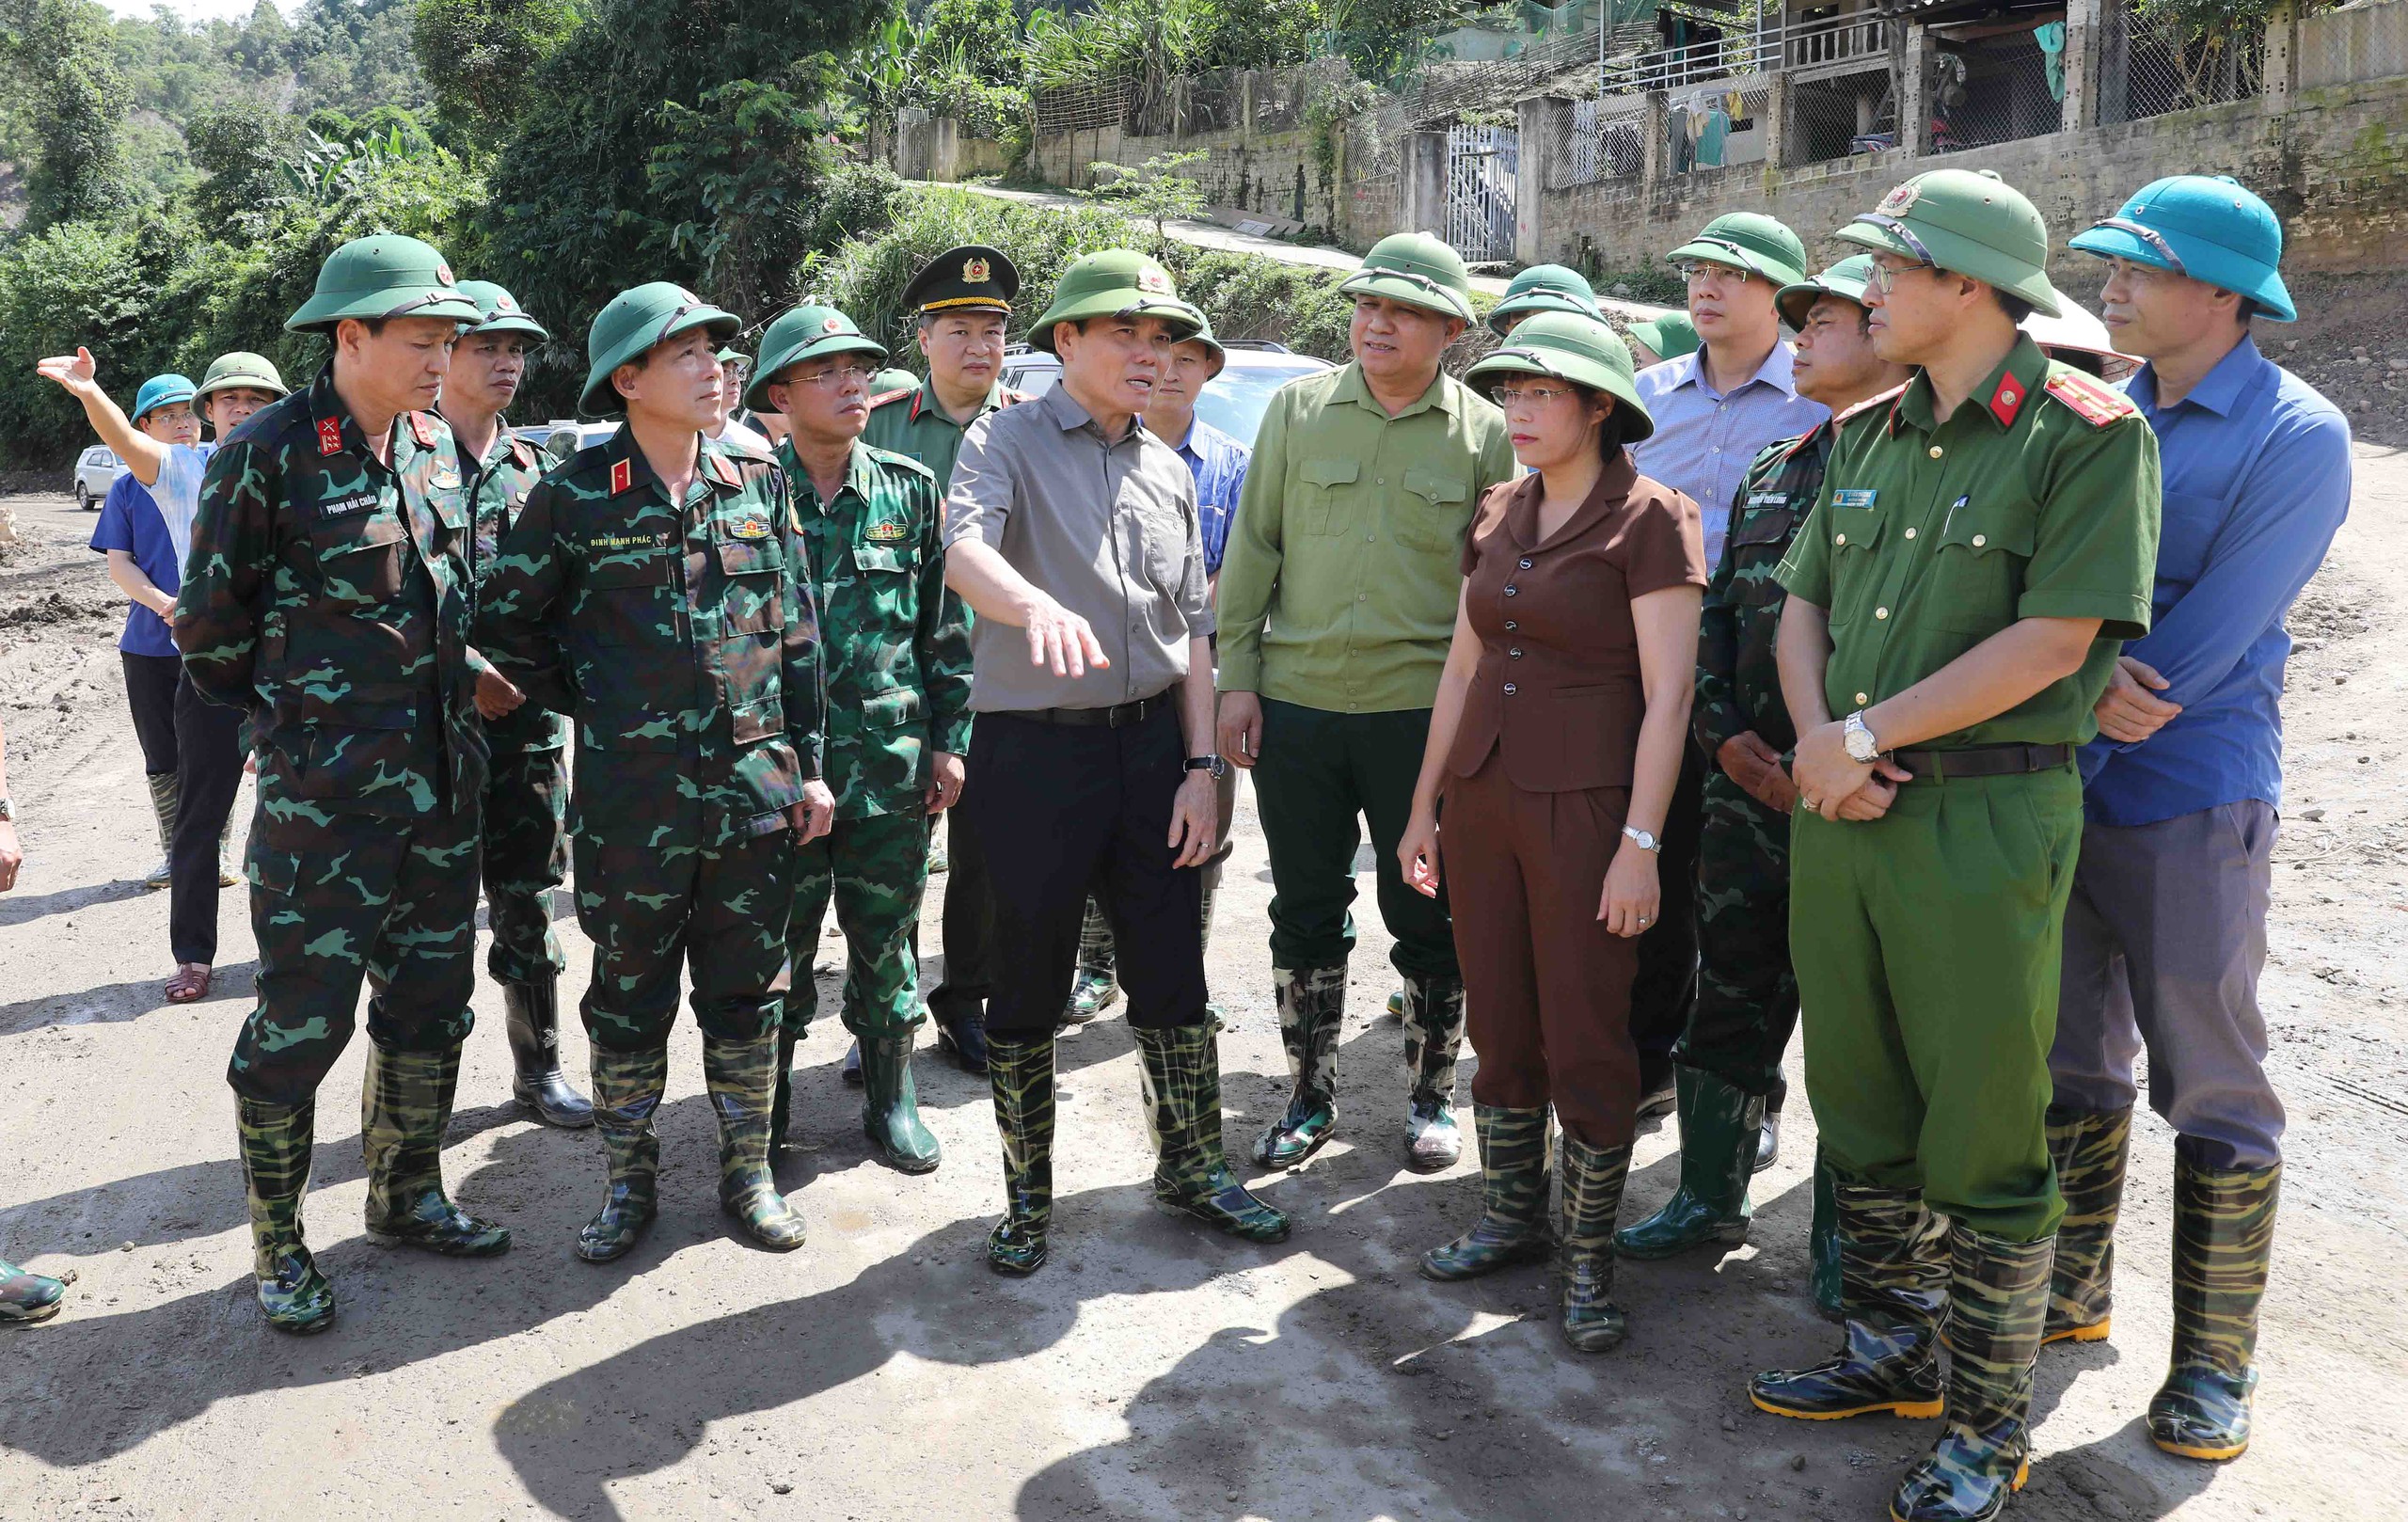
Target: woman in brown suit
pixel 1554 748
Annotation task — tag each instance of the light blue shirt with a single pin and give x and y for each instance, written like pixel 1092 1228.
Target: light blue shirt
pixel 1219 463
pixel 2257 483
pixel 1705 439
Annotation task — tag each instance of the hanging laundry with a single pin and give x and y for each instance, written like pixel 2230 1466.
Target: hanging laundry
pixel 2051 40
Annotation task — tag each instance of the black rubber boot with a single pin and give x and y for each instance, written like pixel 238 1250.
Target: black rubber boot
pixel 1722 1129
pixel 531 1013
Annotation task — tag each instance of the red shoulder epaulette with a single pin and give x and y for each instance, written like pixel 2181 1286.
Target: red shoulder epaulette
pixel 522 452
pixel 724 469
pixel 884 397
pixel 623 475
pixel 1798 444
pixel 423 430
pixel 2094 402
pixel 1884 399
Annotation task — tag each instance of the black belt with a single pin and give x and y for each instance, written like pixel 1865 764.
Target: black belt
pixel 1119 715
pixel 1983 761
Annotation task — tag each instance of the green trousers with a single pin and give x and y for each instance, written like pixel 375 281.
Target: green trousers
pixel 875 869
pixel 1927 947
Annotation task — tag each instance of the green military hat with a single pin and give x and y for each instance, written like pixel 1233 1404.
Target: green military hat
pixel 804 333
pixel 1846 280
pixel 1416 268
pixel 1203 335
pixel 893 378
pixel 1749 241
pixel 1112 283
pixel 503 312
pixel 240 368
pixel 380 277
pixel 1569 346
pixel 1667 337
pixel 1969 222
pixel 1543 288
pixel 632 325
pixel 972 277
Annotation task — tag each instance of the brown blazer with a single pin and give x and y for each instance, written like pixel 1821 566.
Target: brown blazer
pixel 1558 687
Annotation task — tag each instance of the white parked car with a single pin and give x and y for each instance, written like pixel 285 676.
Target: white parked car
pixel 96 470
pixel 1233 400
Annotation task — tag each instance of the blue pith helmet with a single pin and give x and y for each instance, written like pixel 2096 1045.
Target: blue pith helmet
pixel 2210 228
pixel 159 391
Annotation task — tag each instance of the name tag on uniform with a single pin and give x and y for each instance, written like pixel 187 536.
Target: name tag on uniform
pixel 887 533
pixel 1768 498
pixel 628 541
pixel 1853 497
pixel 344 506
pixel 749 528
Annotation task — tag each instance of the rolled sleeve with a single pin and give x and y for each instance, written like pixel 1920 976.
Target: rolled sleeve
pixel 979 500
pixel 2095 553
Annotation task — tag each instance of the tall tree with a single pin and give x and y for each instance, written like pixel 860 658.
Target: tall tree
pixel 63 59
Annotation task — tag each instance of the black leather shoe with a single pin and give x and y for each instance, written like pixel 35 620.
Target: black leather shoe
pixel 962 1036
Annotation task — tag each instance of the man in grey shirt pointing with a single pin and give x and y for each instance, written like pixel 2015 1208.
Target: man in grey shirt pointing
pixel 1072 532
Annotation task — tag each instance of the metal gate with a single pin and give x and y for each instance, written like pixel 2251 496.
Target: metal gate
pixel 1481 165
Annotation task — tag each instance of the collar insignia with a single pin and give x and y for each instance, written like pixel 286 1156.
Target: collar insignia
pixel 421 430
pixel 330 435
pixel 623 475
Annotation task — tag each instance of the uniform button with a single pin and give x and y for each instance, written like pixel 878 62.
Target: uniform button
pixel 1510 626
pixel 1936 452
pixel 1979 540
pixel 1910 534
pixel 1880 612
pixel 1511 689
pixel 1508 592
pixel 1383 480
pixel 1370 538
pixel 1526 565
pixel 1362 596
pixel 1839 539
pixel 1515 652
pixel 1864 698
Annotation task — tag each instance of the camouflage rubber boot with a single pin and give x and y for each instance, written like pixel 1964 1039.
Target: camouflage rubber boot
pixel 26 1297
pixel 1721 1128
pixel 891 1105
pixel 1998 1303
pixel 164 795
pixel 1514 1183
pixel 782 1098
pixel 1893 1286
pixel 276 1142
pixel 532 1014
pixel 1178 1072
pixel 1434 1036
pixel 742 1079
pixel 2224 1237
pixel 2089 1150
pixel 1593 1182
pixel 1019 1074
pixel 404 1106
pixel 1312 1007
pixel 627 1087
pixel 1823 1245
pixel 1097 983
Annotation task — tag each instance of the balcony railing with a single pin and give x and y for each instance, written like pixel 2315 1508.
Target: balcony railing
pixel 1806 44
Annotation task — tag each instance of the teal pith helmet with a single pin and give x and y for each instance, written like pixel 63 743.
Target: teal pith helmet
pixel 1972 223
pixel 804 333
pixel 1416 268
pixel 383 275
pixel 501 312
pixel 240 366
pixel 1748 241
pixel 632 325
pixel 1111 283
pixel 160 391
pixel 1846 280
pixel 1571 347
pixel 2208 228
pixel 1543 288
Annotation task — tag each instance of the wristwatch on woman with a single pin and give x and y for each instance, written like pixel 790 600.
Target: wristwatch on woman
pixel 1643 840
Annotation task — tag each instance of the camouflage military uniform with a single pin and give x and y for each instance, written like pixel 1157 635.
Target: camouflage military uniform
pixel 685 644
pixel 327 594
pixel 898 688
pixel 526 806
pixel 1746 1006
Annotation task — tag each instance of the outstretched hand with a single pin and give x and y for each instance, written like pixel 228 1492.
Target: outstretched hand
pixel 76 371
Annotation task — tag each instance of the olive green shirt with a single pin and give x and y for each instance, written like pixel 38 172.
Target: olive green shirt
pixel 2036 498
pixel 913 423
pixel 1344 564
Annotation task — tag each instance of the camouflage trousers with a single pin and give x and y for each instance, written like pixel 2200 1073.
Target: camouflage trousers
pixel 875 871
pixel 649 904
pixel 337 898
pixel 1747 998
pixel 525 858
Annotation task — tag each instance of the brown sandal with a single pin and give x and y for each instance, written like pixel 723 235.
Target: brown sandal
pixel 190 982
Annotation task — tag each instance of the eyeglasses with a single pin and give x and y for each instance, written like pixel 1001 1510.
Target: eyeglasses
pixel 839 377
pixel 1537 396
pixel 1696 271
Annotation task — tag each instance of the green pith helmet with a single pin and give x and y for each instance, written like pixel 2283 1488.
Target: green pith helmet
pixel 1115 282
pixel 632 325
pixel 240 368
pixel 1846 280
pixel 383 275
pixel 1748 241
pixel 1416 268
pixel 503 312
pixel 1203 335
pixel 1543 288
pixel 1568 346
pixel 1971 223
pixel 893 378
pixel 1667 337
pixel 804 333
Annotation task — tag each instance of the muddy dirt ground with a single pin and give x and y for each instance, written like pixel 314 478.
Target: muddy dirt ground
pixel 1151 1371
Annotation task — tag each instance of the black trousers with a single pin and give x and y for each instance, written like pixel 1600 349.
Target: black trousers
pixel 1069 810
pixel 209 772
pixel 151 692
pixel 1665 990
pixel 969 917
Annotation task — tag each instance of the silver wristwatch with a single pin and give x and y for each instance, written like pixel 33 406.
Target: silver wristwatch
pixel 1643 840
pixel 1862 747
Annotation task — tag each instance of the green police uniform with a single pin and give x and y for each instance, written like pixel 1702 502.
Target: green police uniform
pixel 914 424
pixel 327 594
pixel 1927 941
pixel 683 640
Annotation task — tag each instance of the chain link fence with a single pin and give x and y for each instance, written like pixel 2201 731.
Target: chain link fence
pixel 1844 114
pixel 2154 65
pixel 1716 125
pixel 1997 89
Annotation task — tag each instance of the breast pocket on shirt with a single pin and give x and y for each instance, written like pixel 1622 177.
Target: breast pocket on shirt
pixel 1434 512
pixel 359 560
pixel 1320 482
pixel 1856 533
pixel 1758 542
pixel 2184 536
pixel 1977 565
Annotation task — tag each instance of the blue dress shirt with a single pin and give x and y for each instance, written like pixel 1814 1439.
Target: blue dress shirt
pixel 1219 463
pixel 1705 439
pixel 2257 482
